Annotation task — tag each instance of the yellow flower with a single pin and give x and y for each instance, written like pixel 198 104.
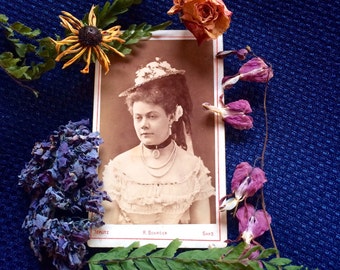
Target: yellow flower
pixel 86 40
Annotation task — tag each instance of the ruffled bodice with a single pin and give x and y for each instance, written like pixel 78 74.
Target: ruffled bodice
pixel 144 199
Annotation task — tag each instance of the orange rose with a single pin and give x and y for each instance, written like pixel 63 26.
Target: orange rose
pixel 205 19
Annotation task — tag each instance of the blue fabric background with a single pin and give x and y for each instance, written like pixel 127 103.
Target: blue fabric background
pixel 301 41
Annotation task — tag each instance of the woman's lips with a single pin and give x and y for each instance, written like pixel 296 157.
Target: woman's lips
pixel 146 134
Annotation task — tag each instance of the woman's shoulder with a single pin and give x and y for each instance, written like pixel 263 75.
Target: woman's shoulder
pixel 187 158
pixel 186 154
pixel 126 158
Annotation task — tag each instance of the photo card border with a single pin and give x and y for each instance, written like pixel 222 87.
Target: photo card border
pixel 191 235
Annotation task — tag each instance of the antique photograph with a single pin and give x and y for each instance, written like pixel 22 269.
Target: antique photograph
pixel 163 162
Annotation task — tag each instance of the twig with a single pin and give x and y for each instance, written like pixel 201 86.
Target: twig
pixel 35 92
pixel 263 203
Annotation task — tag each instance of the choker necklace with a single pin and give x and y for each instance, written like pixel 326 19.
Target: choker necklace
pixel 163 169
pixel 155 147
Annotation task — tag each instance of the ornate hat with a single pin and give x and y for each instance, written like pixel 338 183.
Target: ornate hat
pixel 152 71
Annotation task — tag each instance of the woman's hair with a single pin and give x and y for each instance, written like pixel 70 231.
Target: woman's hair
pixel 167 92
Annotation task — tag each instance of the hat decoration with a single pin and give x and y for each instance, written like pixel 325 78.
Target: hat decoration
pixel 152 71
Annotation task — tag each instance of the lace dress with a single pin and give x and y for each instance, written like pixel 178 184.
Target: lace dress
pixel 144 199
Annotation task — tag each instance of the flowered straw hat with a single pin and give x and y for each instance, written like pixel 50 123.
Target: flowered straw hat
pixel 152 71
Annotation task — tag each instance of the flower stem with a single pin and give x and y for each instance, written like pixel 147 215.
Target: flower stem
pixel 35 92
pixel 263 203
pixel 266 126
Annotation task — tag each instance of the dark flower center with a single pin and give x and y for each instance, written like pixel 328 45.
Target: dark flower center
pixel 89 36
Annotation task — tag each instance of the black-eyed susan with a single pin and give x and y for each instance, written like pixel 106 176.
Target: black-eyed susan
pixel 86 40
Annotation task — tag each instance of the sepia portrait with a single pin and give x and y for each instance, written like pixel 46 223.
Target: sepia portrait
pixel 162 160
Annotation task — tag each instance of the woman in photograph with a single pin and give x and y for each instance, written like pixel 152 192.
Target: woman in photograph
pixel 159 181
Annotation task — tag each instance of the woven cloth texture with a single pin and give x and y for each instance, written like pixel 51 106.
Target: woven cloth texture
pixel 299 38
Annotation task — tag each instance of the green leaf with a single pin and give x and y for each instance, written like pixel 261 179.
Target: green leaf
pixel 269 266
pixel 25 30
pixel 161 26
pixel 173 264
pixel 143 263
pixel 128 265
pixel 113 267
pixel 108 15
pixel 231 266
pixel 46 49
pixel 280 261
pixel 102 19
pixel 116 253
pixel 143 31
pixel 134 34
pixel 3 18
pixel 121 48
pixel 7 60
pixel 95 266
pixel 266 253
pixel 18 63
pixel 158 263
pixel 254 265
pixel 169 251
pixel 235 252
pixel 19 72
pixel 250 251
pixel 213 254
pixel 22 49
pixel 143 250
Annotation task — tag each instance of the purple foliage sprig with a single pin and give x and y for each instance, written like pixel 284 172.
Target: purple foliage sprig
pixel 66 198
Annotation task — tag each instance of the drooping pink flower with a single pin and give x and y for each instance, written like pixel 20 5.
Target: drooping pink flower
pixel 234 113
pixel 247 180
pixel 252 223
pixel 237 117
pixel 255 70
pixel 245 183
pixel 241 53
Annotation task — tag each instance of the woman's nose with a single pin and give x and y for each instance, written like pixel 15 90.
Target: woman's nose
pixel 144 123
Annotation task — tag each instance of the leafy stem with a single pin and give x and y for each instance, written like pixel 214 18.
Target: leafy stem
pixel 31 56
pixel 110 11
pixel 149 257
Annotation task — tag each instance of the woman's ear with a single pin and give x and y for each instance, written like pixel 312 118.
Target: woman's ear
pixel 172 118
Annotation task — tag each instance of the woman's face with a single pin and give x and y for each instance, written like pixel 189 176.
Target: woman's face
pixel 151 122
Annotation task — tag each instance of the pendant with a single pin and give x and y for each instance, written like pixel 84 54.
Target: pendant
pixel 156 153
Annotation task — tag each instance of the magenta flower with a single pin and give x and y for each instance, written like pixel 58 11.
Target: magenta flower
pixel 245 183
pixel 255 70
pixel 252 223
pixel 247 180
pixel 234 113
pixel 241 53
